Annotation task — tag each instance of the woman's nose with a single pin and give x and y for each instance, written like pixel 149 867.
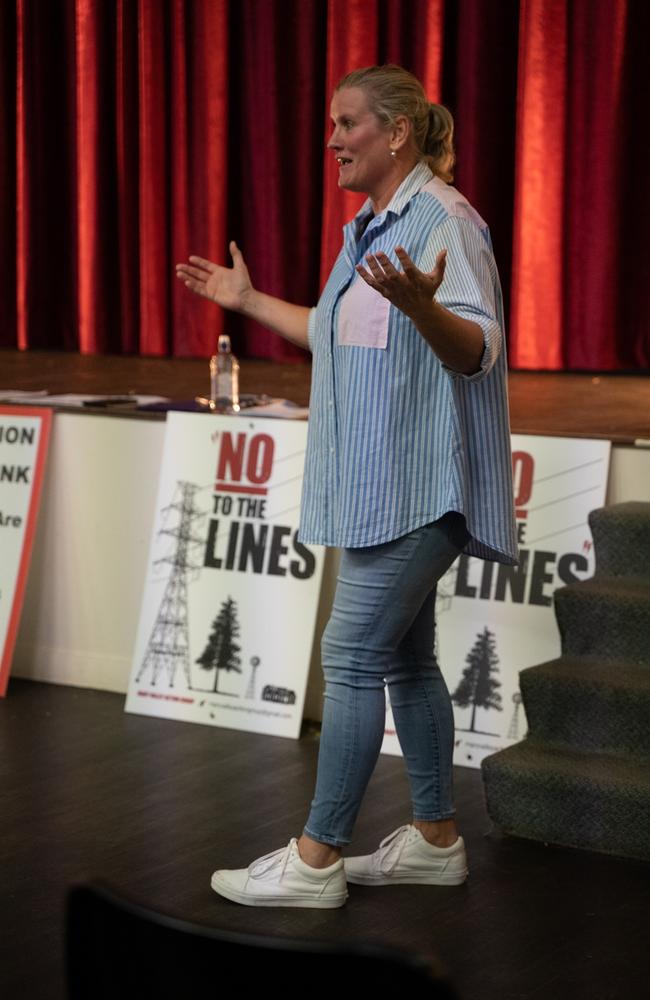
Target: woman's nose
pixel 333 141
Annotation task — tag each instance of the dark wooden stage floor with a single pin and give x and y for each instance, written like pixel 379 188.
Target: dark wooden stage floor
pixel 616 407
pixel 153 806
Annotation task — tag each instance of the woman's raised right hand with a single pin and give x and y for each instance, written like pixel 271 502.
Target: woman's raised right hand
pixel 227 286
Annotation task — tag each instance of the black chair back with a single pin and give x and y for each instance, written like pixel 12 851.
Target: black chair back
pixel 118 948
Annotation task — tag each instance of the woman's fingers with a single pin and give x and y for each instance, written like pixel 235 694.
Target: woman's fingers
pixel 196 275
pixel 438 272
pixel 413 272
pixel 384 264
pixel 184 270
pixel 207 265
pixel 226 286
pixel 388 276
pixel 198 287
pixel 441 261
pixel 383 277
pixel 408 266
pixel 367 277
pixel 406 289
pixel 378 268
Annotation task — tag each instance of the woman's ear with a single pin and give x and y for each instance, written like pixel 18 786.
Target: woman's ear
pixel 400 131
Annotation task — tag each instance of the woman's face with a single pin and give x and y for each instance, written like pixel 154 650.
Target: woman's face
pixel 360 142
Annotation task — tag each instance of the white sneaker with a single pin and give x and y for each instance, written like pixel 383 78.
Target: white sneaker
pixel 405 857
pixel 282 878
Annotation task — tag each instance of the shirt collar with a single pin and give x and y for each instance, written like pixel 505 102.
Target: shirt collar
pixel 418 177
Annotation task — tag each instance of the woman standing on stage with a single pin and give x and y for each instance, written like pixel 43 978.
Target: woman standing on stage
pixel 408 464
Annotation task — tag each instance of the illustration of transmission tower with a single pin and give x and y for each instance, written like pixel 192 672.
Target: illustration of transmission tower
pixel 168 646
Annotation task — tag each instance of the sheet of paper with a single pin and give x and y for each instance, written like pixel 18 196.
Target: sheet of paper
pixel 19 395
pixel 78 399
pixel 281 408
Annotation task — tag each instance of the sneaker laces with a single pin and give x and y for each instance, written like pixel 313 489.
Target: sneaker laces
pixel 281 857
pixel 390 850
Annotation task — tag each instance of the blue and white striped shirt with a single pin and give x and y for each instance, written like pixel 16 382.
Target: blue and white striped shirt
pixel 396 439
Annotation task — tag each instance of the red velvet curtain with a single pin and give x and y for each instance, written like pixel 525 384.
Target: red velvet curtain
pixel 136 132
pixel 582 200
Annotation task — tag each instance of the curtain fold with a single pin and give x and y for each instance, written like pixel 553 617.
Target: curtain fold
pixel 88 134
pixel 484 115
pixel 198 167
pixel 155 83
pixel 127 205
pixel 537 328
pixel 276 97
pixel 136 132
pixel 596 38
pixel 43 228
pixel 352 29
pixel 631 155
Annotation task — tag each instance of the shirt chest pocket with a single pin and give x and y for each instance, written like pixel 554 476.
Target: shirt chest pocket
pixel 363 317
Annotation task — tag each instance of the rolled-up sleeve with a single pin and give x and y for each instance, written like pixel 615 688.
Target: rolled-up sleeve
pixel 470 287
pixel 311 328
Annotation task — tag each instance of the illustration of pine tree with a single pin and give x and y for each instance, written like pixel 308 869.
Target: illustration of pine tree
pixel 221 649
pixel 477 687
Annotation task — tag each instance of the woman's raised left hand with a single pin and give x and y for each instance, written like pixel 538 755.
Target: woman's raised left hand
pixel 410 290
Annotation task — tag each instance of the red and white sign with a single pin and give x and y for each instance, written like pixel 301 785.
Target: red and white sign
pixel 24 435
pixel 228 615
pixel 494 620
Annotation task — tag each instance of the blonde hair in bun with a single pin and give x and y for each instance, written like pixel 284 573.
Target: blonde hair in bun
pixel 439 142
pixel 393 91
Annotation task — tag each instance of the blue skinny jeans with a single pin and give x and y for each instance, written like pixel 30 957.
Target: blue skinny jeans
pixel 381 631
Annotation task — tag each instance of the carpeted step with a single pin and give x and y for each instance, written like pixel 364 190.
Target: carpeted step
pixel 589 705
pixel 621 536
pixel 605 617
pixel 592 801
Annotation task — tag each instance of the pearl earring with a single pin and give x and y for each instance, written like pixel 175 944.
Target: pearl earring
pixel 393 153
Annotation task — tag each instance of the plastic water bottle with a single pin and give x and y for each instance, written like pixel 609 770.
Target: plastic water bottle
pixel 224 378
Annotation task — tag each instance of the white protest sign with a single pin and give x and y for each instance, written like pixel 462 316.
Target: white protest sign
pixel 495 620
pixel 24 434
pixel 227 621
